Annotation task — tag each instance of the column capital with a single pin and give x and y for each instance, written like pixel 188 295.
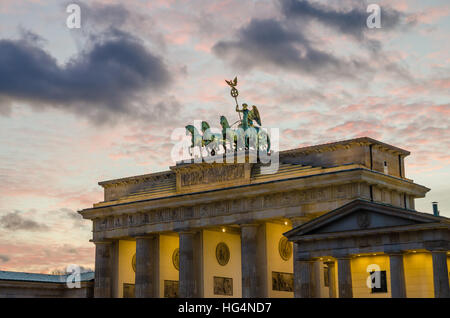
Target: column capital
pixel 395 252
pixel 249 225
pixel 304 257
pixel 341 255
pixel 146 236
pixel 437 246
pixel 298 220
pixel 330 263
pixel 249 222
pixel 102 242
pixel 437 250
pixel 186 230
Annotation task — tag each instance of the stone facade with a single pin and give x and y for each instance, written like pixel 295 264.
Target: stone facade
pixel 362 229
pixel 30 285
pixel 240 204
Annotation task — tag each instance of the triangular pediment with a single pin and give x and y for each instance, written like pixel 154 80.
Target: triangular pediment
pixel 363 215
pixel 362 220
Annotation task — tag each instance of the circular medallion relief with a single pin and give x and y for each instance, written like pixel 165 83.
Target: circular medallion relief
pixel 176 259
pixel 222 253
pixel 363 219
pixel 285 248
pixel 133 263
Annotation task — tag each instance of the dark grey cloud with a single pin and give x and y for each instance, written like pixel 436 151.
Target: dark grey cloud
pixel 100 14
pixel 76 218
pixel 288 43
pixel 15 221
pixel 271 43
pixel 4 258
pixel 96 18
pixel 351 22
pixel 103 81
pixel 63 271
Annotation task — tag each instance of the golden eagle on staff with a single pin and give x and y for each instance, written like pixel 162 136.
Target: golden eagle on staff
pixel 232 83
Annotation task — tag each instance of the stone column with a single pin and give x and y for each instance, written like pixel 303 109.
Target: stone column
pixel 440 274
pixel 344 277
pixel 398 287
pixel 297 274
pixel 297 221
pixel 190 264
pixel 304 278
pixel 331 278
pixel 103 270
pixel 253 262
pixel 147 267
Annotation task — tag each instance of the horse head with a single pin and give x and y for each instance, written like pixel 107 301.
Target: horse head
pixel 190 129
pixel 205 126
pixel 224 122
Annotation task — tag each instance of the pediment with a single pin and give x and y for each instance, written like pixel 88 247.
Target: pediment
pixel 363 220
pixel 363 215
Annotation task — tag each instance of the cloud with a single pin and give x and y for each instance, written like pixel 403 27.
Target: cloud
pixel 269 43
pixel 104 14
pixel 76 218
pixel 105 80
pixel 13 221
pixel 45 256
pixel 4 258
pixel 351 22
pixel 290 42
pixel 63 271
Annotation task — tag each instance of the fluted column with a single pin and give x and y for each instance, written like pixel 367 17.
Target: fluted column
pixel 103 270
pixel 190 264
pixel 252 262
pixel 304 278
pixel 297 221
pixel 398 287
pixel 331 278
pixel 147 267
pixel 297 274
pixel 440 274
pixel 344 277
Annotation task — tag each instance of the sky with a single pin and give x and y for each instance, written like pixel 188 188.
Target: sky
pixel 78 106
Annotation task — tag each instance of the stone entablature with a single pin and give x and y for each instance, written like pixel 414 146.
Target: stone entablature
pixel 391 183
pixel 192 177
pixel 305 196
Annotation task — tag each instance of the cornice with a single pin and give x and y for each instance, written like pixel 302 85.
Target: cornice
pixel 361 175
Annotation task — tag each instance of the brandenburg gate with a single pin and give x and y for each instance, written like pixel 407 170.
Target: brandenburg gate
pixel 216 229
